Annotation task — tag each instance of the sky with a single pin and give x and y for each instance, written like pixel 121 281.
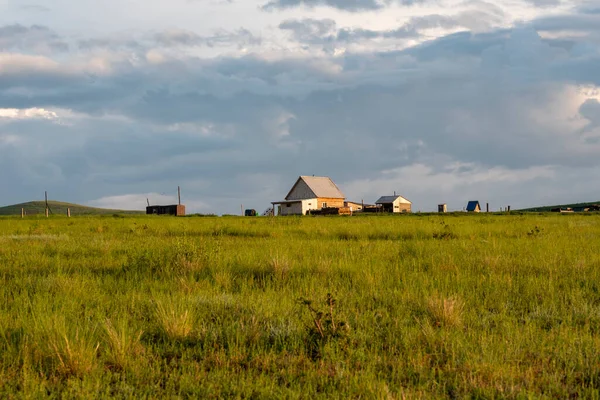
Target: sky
pixel 108 103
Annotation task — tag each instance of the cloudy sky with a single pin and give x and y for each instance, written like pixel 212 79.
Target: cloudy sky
pixel 107 102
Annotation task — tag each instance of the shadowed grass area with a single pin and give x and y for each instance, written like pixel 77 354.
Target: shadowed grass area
pixel 415 306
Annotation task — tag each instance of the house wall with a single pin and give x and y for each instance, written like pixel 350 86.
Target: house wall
pixel 309 204
pixel 291 208
pixel 300 207
pixel 401 205
pixel 301 191
pixel 331 202
pixel 354 206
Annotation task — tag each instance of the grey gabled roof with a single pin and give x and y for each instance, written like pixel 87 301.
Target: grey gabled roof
pixel 390 199
pixel 321 186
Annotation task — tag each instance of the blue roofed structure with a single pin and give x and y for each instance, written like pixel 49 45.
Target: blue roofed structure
pixel 473 206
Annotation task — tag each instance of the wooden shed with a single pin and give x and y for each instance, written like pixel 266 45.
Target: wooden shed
pixel 310 193
pixel 177 210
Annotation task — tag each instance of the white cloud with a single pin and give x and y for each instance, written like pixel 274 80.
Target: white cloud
pixel 27 113
pixel 14 63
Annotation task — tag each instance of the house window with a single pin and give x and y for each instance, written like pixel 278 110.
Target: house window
pixel 324 205
pixel 288 205
pixel 396 206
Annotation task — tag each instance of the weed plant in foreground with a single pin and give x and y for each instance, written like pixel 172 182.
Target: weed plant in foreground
pixel 412 306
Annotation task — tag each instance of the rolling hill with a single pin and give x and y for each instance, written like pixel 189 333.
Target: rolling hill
pixel 563 206
pixel 60 208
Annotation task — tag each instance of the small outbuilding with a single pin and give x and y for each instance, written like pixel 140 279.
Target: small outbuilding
pixel 354 206
pixel 442 208
pixel 177 210
pixel 394 204
pixel 473 206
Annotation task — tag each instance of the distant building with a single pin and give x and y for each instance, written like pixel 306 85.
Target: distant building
pixel 177 210
pixel 310 193
pixel 442 208
pixel 354 206
pixel 394 204
pixel 473 206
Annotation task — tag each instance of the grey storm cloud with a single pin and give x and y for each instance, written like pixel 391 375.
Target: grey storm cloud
pixel 590 110
pixel 580 22
pixel 220 125
pixel 325 31
pixel 35 38
pixel 347 5
pixel 173 38
pixel 35 7
pixel 241 37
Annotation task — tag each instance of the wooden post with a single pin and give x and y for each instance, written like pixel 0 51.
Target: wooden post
pixel 69 212
pixel 487 207
pixel 22 213
pixel 46 212
pixel 242 209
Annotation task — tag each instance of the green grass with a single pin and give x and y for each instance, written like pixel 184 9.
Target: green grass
pixel 420 306
pixel 59 208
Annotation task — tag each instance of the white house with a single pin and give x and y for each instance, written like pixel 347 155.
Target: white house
pixel 310 193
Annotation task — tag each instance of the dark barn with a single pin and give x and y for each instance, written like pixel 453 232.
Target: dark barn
pixel 176 210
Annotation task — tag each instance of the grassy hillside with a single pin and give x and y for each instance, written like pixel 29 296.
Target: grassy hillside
pixel 59 208
pixel 563 206
pixel 416 306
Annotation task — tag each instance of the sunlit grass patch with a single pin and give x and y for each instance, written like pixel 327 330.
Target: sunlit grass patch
pixel 175 318
pixel 445 311
pixel 124 344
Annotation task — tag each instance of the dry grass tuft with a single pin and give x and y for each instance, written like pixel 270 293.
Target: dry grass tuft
pixel 124 344
pixel 280 266
pixel 445 312
pixel 75 356
pixel 176 321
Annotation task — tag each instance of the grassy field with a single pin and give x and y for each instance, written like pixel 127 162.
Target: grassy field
pixel 414 306
pixel 59 208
